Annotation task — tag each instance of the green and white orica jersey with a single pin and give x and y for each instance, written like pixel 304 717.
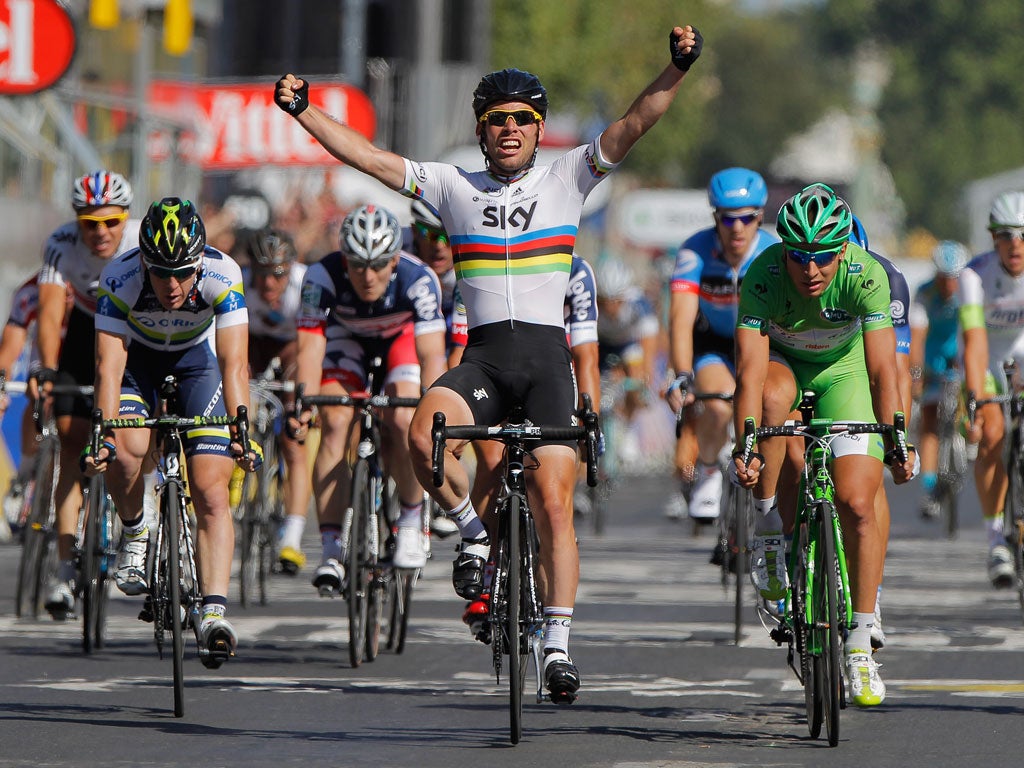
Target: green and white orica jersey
pixel 819 329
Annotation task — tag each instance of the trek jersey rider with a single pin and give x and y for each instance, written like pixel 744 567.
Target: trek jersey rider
pixel 331 307
pixel 128 306
pixel 68 262
pixel 265 321
pixel 512 241
pixel 819 330
pixel 700 269
pixel 991 298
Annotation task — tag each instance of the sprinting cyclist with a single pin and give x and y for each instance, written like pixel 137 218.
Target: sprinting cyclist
pixel 935 353
pixel 367 299
pixel 991 295
pixel 814 314
pixel 512 228
pixel 706 282
pixel 74 256
pixel 273 289
pixel 174 306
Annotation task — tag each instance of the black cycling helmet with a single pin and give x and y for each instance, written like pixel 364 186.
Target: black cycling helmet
pixel 510 85
pixel 172 234
pixel 270 248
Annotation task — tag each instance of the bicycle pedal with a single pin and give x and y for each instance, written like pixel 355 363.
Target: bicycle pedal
pixel 781 635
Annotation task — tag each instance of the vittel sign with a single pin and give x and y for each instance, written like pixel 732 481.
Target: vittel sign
pixel 37 44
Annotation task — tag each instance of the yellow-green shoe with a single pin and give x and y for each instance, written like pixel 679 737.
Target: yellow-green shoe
pixel 292 560
pixel 866 686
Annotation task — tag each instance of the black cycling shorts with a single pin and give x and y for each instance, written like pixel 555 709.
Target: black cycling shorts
pixel 77 364
pixel 505 365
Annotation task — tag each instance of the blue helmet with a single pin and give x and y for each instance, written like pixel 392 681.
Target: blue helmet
pixel 858 235
pixel 950 258
pixel 737 188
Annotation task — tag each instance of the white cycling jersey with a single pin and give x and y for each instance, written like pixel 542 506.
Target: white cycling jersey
pixel 277 323
pixel 69 263
pixel 512 241
pixel 991 298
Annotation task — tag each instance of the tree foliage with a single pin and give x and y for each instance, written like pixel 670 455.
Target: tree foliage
pixel 951 112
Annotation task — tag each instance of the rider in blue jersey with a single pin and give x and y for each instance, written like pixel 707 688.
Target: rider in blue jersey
pixel 935 354
pixel 702 320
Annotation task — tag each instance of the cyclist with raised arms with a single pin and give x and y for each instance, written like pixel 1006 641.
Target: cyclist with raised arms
pixel 367 299
pixel 935 354
pixel 814 314
pixel 991 298
pixel 706 280
pixel 512 228
pixel 174 306
pixel 74 256
pixel 273 289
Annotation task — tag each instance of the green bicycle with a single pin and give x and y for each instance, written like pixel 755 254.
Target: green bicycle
pixel 819 607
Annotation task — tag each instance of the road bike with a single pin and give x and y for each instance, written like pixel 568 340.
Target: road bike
pixel 174 598
pixel 38 563
pixel 261 500
pixel 819 608
pixel 371 580
pixel 515 612
pixel 1013 458
pixel 952 464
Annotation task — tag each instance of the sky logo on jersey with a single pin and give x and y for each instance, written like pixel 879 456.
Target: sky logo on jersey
pixel 835 315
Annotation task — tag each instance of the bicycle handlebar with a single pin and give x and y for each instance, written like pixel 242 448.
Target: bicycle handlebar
pixel 509 433
pixel 356 400
pixel 817 431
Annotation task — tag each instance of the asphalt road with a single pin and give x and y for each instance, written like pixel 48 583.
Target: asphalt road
pixel 663 683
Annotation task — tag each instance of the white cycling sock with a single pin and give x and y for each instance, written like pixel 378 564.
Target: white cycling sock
pixel 769 520
pixel 291 531
pixel 464 515
pixel 557 620
pixel 410 515
pixel 994 528
pixel 860 636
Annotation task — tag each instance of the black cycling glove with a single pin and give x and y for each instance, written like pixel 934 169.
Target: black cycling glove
pixel 683 61
pixel 299 101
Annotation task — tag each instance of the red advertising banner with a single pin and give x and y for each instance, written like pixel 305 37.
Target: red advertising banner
pixel 37 44
pixel 239 126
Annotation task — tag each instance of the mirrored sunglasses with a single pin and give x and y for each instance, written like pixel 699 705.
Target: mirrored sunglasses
pixel 166 273
pixel 499 117
pixel 378 265
pixel 1009 233
pixel 820 258
pixel 93 222
pixel 730 220
pixel 431 234
pixel 279 271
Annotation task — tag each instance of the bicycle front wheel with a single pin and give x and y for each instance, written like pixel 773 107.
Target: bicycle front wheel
pixel 516 657
pixel 1013 525
pixel 37 535
pixel 93 559
pixel 401 587
pixel 356 563
pixel 802 584
pixel 742 520
pixel 826 608
pixel 170 558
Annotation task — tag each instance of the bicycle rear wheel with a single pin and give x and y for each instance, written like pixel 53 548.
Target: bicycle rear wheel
pixel 741 517
pixel 93 556
pixel 252 534
pixel 516 642
pixel 827 600
pixel 37 534
pixel 170 557
pixel 1013 523
pixel 358 554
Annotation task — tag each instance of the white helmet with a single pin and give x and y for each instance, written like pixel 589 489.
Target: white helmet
pixel 614 279
pixel 101 188
pixel 370 235
pixel 1007 211
pixel 950 258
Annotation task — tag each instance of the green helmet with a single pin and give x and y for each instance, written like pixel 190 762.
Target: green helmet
pixel 815 219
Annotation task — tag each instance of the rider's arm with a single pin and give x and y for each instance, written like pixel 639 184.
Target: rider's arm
pixel 588 377
pixel 11 344
pixel 972 321
pixel 682 315
pixel 309 361
pixel 111 358
pixel 751 374
pixel 880 360
pixel 49 326
pixel 646 110
pixel 233 359
pixel 346 144
pixel 431 354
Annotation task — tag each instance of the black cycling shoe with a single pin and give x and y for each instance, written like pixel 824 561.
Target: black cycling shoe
pixel 561 677
pixel 468 568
